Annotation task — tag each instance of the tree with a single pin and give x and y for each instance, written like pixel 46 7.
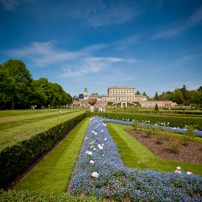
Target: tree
pixel 81 96
pixel 183 90
pixel 22 80
pixel 137 93
pixel 156 97
pixel 199 89
pixel 173 96
pixel 179 96
pixel 156 108
pixel 7 87
pixel 39 96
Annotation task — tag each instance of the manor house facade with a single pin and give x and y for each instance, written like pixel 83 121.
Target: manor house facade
pixel 123 95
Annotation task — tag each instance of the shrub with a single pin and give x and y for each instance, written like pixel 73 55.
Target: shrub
pixel 156 108
pixel 173 146
pixel 159 139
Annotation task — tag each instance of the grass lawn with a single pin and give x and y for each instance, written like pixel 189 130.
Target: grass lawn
pixel 18 125
pixel 52 173
pixel 133 152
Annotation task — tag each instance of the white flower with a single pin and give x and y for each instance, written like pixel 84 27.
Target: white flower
pixel 95 174
pixel 89 153
pixel 91 161
pixel 102 144
pixel 102 131
pixel 178 167
pixel 105 139
pixel 189 173
pixel 177 172
pixel 100 147
pixel 94 149
pixel 138 162
pixel 103 155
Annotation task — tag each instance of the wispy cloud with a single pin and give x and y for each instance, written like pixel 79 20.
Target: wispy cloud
pixel 10 4
pixel 128 41
pixel 92 65
pixel 43 54
pixel 176 29
pixel 73 63
pixel 104 13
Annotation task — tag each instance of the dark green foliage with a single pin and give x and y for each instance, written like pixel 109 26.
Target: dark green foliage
pixel 18 90
pixel 156 108
pixel 174 121
pixel 156 97
pixel 13 160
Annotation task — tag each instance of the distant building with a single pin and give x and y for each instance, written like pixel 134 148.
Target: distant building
pixel 166 103
pixel 123 96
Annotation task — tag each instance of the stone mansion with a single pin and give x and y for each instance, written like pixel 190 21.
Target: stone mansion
pixel 120 95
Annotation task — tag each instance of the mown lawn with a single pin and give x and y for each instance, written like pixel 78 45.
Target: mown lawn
pixel 133 152
pixel 52 174
pixel 18 125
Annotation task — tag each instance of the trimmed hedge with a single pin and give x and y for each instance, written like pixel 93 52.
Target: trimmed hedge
pixel 28 196
pixel 174 121
pixel 14 159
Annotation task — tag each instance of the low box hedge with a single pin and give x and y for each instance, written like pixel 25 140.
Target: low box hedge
pixel 14 159
pixel 174 121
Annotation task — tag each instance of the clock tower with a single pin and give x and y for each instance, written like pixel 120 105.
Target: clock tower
pixel 85 94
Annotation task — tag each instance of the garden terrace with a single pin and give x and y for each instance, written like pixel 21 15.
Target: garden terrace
pixel 100 172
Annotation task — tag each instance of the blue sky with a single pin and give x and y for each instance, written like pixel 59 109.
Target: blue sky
pixel 152 45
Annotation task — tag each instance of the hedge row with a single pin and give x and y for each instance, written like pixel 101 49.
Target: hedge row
pixel 174 121
pixel 14 159
pixel 28 196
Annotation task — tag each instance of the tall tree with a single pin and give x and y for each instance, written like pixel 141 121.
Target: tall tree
pixel 156 97
pixel 137 93
pixel 183 90
pixel 7 87
pixel 22 79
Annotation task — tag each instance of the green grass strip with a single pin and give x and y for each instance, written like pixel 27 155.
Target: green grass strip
pixel 132 152
pixel 31 124
pixel 52 173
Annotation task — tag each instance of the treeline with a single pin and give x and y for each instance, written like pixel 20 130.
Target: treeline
pixel 180 95
pixel 18 90
pixel 183 96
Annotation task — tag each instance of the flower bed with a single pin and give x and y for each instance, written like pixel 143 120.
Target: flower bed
pixel 175 129
pixel 100 172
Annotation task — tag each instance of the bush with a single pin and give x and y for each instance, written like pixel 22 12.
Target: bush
pixel 14 159
pixel 156 108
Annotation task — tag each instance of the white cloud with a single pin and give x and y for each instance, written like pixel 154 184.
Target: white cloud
pixel 10 4
pixel 92 65
pixel 43 54
pixel 73 63
pixel 176 29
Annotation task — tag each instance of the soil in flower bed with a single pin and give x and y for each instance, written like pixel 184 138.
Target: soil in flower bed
pixel 192 153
